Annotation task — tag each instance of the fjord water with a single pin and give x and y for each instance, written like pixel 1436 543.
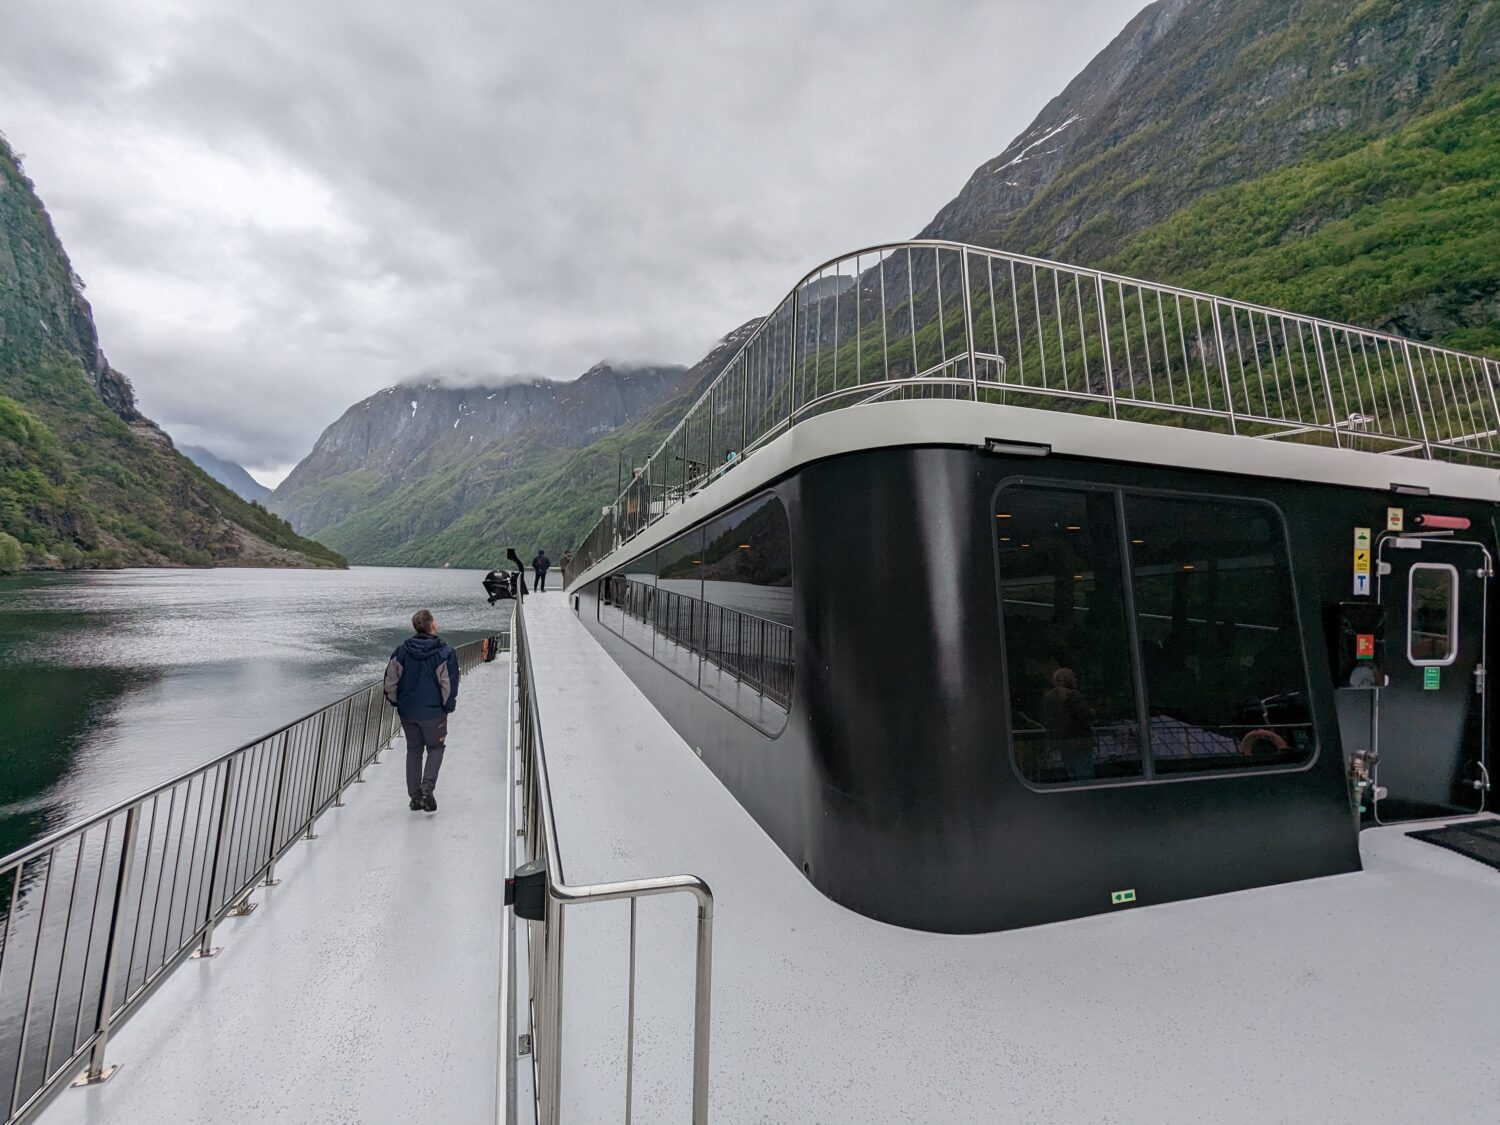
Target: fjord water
pixel 111 682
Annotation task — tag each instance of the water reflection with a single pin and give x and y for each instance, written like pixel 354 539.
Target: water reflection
pixel 111 682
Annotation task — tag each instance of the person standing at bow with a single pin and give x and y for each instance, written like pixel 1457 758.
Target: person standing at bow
pixel 539 567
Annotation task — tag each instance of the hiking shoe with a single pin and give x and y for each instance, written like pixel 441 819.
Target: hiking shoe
pixel 429 802
pixel 416 803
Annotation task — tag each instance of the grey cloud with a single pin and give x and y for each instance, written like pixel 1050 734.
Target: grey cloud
pixel 282 206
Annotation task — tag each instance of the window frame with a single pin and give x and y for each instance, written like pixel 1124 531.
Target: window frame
pixel 1411 613
pixel 1149 775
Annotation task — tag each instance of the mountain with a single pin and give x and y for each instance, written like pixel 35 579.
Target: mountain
pixel 390 480
pixel 1330 157
pixel 85 479
pixel 231 475
pixel 1333 157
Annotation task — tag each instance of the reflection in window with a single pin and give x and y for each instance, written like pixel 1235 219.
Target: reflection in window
pixel 715 606
pixel 1432 614
pixel 1221 653
pixel 1072 698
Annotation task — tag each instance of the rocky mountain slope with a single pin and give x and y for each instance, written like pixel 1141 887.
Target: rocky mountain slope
pixel 228 473
pixel 407 463
pixel 85 480
pixel 1337 158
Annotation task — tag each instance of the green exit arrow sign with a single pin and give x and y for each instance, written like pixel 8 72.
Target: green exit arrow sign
pixel 1119 898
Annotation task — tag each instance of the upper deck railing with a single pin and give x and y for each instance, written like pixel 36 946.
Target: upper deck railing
pixel 98 913
pixel 944 320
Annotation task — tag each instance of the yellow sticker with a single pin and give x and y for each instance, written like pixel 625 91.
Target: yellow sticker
pixel 1361 562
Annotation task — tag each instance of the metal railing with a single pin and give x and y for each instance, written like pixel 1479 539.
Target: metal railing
pixel 527 768
pixel 752 650
pixel 98 913
pixel 941 319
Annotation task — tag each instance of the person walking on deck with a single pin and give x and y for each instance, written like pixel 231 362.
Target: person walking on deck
pixel 539 566
pixel 421 683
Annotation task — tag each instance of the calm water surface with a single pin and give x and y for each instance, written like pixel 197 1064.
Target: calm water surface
pixel 113 681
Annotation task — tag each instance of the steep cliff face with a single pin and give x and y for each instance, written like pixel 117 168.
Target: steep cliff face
pixel 85 480
pixel 375 466
pixel 1213 135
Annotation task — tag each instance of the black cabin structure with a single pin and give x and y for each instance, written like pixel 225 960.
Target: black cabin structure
pixel 979 656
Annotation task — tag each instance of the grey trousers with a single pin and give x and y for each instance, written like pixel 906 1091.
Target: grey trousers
pixel 430 735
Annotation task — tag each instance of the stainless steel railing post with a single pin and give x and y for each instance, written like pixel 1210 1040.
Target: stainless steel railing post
pixel 317 776
pixel 364 738
pixel 206 948
pixel 270 880
pixel 97 1071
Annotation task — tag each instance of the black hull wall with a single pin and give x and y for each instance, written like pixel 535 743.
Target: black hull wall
pixel 892 785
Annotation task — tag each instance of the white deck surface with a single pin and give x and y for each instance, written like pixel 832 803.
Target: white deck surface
pixel 1369 998
pixel 365 986
pixel 363 989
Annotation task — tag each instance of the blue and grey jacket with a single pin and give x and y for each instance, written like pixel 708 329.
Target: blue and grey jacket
pixel 421 680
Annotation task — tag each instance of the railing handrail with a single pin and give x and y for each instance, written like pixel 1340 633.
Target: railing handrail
pixel 540 826
pixel 61 835
pixel 775 377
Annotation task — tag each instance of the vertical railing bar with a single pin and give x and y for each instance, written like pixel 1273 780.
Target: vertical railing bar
pixel 1239 352
pixel 1166 352
pixel 96 1071
pixel 1015 304
pixel 942 313
pixel 1208 387
pixel 62 959
pixel 270 879
pixel 1224 367
pixel 1140 300
pixel 911 312
pixel 1187 363
pixel 190 894
pixel 1291 370
pixel 88 948
pixel 1062 339
pixel 630 1019
pixel 1333 416
pixel 1041 343
pixel 1125 336
pixel 1484 373
pixel 1260 372
pixel 140 905
pixel 1083 332
pixel 161 875
pixel 205 947
pixel 36 954
pixel 1109 357
pixel 967 290
pixel 172 916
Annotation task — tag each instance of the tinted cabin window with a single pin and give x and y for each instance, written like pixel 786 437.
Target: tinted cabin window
pixel 1072 697
pixel 1432 614
pixel 747 623
pixel 1221 653
pixel 679 604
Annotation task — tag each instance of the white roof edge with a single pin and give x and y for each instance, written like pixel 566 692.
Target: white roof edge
pixel 886 425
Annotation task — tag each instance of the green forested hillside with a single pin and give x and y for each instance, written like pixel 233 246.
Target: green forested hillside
pixel 85 480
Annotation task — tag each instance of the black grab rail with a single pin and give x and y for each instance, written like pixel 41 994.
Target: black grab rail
pixel 98 913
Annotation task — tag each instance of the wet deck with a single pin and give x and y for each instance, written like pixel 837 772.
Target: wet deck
pixel 1366 998
pixel 364 988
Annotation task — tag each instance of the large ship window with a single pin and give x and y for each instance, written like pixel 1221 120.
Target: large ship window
pixel 1221 654
pixel 715 606
pixel 1432 615
pixel 747 612
pixel 1072 698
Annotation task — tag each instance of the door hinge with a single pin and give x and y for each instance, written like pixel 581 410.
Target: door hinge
pixel 1479 675
pixel 523 1044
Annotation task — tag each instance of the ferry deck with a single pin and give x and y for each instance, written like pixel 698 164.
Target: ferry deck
pixel 366 987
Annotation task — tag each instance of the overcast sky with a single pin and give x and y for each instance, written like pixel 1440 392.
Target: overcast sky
pixel 282 206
